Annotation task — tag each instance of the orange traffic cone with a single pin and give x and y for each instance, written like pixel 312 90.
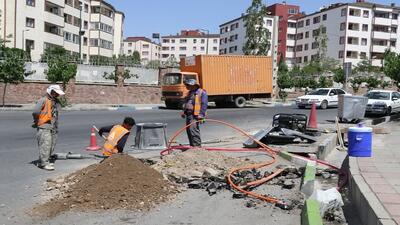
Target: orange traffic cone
pixel 93 142
pixel 312 119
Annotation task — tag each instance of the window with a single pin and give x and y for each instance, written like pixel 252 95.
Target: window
pixel 354 12
pixel 365 13
pixel 85 25
pixel 365 27
pixel 173 41
pixel 182 48
pixel 307 34
pixel 382 15
pixel 352 54
pixel 344 12
pixel 290 49
pixel 316 19
pixel 300 24
pixel 341 40
pixel 291 36
pixel 299 36
pixel 182 55
pixel 202 48
pixel 85 41
pixel 315 33
pixel 203 41
pixel 52 8
pixel 323 30
pixel 341 55
pixel 352 41
pixel 94 42
pixel 305 59
pixel 194 48
pixel 194 41
pixel 292 25
pixel 215 49
pixel 233 26
pixel 215 41
pixel 324 17
pixel 364 41
pixel 30 3
pixel 299 48
pixel 342 26
pixel 221 31
pixel 165 48
pixel 363 55
pixel 298 60
pixel 305 47
pixel 182 41
pixel 354 26
pixel 315 45
pixel 292 11
pixel 165 40
pixel 129 44
pixel 393 43
pixel 29 44
pixel 393 30
pixel 86 8
pixel 146 46
pixel 30 22
pixel 145 53
pixel 395 16
pixel 53 29
pixel 269 22
pixel 307 22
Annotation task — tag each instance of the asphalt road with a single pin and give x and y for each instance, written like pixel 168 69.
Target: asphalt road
pixel 21 182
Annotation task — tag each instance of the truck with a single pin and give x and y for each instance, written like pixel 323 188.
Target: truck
pixel 229 80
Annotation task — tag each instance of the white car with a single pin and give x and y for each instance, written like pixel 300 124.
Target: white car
pixel 323 98
pixel 383 102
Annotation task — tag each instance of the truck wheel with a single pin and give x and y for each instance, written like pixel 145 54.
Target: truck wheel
pixel 240 102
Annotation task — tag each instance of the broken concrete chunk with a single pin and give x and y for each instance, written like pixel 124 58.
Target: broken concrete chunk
pixel 195 184
pixel 210 172
pixel 288 184
pixel 325 175
pixel 238 195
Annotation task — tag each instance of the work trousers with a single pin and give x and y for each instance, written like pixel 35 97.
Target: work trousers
pixel 47 142
pixel 193 131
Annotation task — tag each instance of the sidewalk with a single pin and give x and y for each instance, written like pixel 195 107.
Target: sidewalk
pixel 375 181
pixel 92 107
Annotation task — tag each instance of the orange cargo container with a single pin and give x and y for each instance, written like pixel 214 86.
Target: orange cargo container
pixel 227 79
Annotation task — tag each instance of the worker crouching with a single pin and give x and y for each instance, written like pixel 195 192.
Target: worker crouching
pixel 117 137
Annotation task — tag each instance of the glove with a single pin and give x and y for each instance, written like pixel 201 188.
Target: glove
pixel 201 120
pixel 34 125
pixel 183 115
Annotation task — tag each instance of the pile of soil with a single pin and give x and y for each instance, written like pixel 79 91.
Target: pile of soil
pixel 119 182
pixel 193 163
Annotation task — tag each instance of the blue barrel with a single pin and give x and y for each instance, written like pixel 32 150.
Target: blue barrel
pixel 360 141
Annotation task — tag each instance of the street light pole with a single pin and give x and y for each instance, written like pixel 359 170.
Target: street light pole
pixel 80 32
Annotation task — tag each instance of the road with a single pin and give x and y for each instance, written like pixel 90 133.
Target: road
pixel 21 182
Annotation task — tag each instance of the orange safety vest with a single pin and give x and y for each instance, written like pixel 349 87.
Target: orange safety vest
pixel 116 133
pixel 197 102
pixel 45 114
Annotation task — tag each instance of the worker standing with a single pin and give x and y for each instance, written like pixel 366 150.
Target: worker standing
pixel 45 119
pixel 195 109
pixel 117 137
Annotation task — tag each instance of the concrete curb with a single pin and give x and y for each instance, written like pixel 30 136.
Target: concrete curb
pixel 369 207
pixel 93 107
pixel 310 214
pixel 326 146
pixel 308 181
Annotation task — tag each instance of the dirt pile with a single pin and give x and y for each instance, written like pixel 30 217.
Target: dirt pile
pixel 193 163
pixel 119 182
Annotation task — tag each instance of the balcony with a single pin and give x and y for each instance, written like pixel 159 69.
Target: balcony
pixel 376 62
pixel 290 42
pixel 291 30
pixel 379 48
pixel 382 21
pixel 381 35
pixel 289 55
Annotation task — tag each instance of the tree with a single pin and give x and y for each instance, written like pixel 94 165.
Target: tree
pixel 339 76
pixel 391 66
pixel 153 64
pixel 356 83
pixel 114 76
pixel 385 84
pixel 136 57
pixel 257 36
pixel 323 82
pixel 372 82
pixel 60 68
pixel 12 69
pixel 284 80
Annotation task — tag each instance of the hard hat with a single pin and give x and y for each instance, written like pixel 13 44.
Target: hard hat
pixel 55 88
pixel 191 82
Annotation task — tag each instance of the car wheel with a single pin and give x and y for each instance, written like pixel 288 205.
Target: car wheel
pixel 324 104
pixel 388 111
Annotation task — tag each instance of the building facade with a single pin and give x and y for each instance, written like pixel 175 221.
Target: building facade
pixel 85 27
pixel 148 50
pixel 188 43
pixel 355 31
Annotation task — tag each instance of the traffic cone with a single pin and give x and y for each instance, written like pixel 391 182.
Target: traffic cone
pixel 312 119
pixel 93 142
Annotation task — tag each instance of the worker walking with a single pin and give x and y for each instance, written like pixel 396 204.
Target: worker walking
pixel 45 120
pixel 117 137
pixel 195 109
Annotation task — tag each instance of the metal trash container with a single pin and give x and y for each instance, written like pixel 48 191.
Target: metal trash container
pixel 351 108
pixel 151 136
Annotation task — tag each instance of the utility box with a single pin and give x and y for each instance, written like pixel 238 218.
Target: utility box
pixel 351 108
pixel 151 136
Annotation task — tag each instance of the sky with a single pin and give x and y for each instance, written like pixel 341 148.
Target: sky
pixel 144 17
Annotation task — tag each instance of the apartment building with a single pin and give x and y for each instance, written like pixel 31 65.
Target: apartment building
pixel 85 27
pixel 355 31
pixel 189 43
pixel 147 49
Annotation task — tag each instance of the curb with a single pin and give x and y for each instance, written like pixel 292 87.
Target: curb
pixel 90 107
pixel 310 214
pixel 369 207
pixel 326 146
pixel 308 181
pixel 298 160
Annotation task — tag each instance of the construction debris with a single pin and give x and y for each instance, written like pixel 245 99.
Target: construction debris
pixel 119 182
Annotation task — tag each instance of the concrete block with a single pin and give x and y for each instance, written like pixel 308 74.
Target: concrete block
pixel 326 146
pixel 308 183
pixel 310 214
pixel 386 222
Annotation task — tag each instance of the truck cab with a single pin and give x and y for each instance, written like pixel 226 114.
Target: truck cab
pixel 173 88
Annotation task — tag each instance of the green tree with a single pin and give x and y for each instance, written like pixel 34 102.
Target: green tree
pixel 385 84
pixel 257 36
pixel 391 66
pixel 136 57
pixel 323 82
pixel 356 83
pixel 284 80
pixel 60 69
pixel 339 76
pixel 372 82
pixel 114 76
pixel 12 68
pixel 153 64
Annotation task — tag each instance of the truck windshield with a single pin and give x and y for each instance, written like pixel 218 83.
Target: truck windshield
pixel 379 95
pixel 319 92
pixel 172 79
pixel 188 77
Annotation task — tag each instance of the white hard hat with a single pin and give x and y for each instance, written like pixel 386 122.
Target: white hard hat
pixel 56 88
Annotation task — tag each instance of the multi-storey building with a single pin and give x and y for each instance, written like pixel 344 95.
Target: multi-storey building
pixel 233 35
pixel 189 43
pixel 148 50
pixel 85 27
pixel 355 31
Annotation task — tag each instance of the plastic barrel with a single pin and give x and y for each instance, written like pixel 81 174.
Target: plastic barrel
pixel 360 141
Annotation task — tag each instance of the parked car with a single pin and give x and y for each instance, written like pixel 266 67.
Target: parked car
pixel 383 102
pixel 323 98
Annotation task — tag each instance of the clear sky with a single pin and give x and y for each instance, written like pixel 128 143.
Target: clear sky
pixel 144 17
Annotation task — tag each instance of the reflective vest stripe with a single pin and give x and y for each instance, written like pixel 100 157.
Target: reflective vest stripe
pixel 45 114
pixel 116 133
pixel 197 102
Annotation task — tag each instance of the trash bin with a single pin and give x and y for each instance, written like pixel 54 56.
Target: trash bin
pixel 151 136
pixel 351 108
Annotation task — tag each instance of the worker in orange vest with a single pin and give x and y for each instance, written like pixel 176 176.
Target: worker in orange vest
pixel 195 109
pixel 45 120
pixel 117 137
